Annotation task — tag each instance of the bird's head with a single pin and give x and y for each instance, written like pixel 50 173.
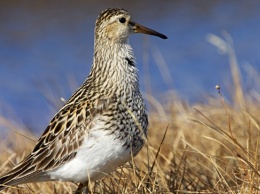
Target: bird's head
pixel 116 25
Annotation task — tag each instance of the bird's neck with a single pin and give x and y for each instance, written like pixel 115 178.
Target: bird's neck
pixel 113 71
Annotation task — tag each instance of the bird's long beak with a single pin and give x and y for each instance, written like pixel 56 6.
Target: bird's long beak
pixel 137 28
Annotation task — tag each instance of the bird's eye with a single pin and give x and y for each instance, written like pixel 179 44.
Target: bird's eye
pixel 122 20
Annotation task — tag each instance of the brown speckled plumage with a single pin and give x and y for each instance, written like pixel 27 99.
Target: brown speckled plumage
pixel 106 113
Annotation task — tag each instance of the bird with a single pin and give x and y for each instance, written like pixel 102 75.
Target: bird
pixel 103 124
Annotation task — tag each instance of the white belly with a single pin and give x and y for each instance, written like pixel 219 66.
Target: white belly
pixel 99 155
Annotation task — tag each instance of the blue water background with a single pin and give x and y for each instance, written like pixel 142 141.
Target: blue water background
pixel 46 50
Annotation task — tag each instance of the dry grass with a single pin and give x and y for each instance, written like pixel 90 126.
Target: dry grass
pixel 204 148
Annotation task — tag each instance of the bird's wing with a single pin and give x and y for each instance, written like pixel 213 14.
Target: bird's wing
pixel 59 142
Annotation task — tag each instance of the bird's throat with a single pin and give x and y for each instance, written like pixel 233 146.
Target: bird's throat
pixel 114 69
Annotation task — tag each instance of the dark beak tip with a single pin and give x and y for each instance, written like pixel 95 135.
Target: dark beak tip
pixel 164 37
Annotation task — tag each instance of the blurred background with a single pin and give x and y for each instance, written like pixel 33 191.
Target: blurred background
pixel 46 50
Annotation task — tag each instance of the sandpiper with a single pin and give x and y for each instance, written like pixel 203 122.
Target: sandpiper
pixel 105 121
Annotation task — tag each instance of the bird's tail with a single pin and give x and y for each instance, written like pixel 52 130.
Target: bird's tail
pixel 18 175
pixel 3 182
